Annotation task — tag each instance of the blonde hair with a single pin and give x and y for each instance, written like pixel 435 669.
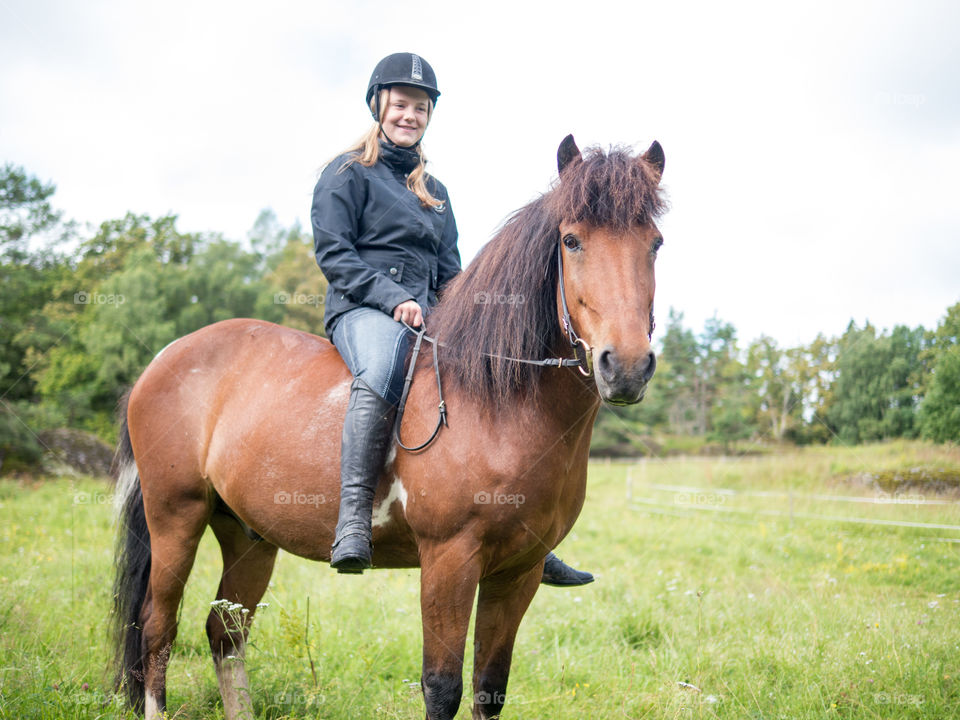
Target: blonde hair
pixel 366 151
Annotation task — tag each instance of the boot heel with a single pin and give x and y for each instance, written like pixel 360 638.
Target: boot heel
pixel 350 566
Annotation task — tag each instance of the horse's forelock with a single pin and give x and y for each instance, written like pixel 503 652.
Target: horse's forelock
pixel 614 189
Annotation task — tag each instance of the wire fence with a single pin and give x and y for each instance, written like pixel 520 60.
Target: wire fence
pixel 720 502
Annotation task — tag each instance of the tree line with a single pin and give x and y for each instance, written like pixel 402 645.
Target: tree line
pixel 865 385
pixel 81 315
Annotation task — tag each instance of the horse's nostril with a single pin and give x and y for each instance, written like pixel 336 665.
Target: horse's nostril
pixel 607 364
pixel 609 367
pixel 649 367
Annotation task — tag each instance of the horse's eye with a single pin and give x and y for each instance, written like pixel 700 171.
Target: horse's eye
pixel 657 244
pixel 571 242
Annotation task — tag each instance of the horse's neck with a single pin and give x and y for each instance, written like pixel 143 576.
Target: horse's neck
pixel 570 401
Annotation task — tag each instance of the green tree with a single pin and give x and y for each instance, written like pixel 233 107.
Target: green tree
pixel 268 237
pixel 876 391
pixel 777 378
pixel 718 383
pixel 26 280
pixel 25 211
pixel 138 285
pixel 678 378
pixel 726 388
pixel 298 287
pixel 939 414
pixel 940 411
pixel 820 359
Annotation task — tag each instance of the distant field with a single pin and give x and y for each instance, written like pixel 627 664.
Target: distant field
pixel 817 583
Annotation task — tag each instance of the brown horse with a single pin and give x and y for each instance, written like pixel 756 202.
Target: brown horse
pixel 237 426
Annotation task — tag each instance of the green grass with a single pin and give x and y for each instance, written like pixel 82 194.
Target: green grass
pixel 745 578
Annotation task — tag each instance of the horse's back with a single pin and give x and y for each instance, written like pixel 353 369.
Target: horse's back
pixel 249 410
pixel 231 364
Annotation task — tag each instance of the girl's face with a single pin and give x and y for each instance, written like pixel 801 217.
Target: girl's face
pixel 406 115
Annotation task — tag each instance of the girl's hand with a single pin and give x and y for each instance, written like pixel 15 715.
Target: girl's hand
pixel 409 312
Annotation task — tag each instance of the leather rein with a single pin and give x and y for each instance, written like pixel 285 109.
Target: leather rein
pixel 585 366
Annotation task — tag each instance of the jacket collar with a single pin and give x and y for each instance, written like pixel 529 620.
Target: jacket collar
pixel 399 159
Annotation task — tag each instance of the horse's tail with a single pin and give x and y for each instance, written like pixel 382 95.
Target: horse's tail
pixel 132 559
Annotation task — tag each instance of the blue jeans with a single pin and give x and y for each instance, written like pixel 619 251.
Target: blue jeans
pixel 374 347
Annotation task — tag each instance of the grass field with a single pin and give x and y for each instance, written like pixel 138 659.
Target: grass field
pixel 780 586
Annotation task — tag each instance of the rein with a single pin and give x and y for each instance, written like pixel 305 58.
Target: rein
pixel 408 381
pixel 585 366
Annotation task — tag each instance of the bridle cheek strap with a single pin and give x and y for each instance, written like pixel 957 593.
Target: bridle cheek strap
pixel 585 365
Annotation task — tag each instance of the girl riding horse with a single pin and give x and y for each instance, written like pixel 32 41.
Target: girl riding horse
pixel 386 240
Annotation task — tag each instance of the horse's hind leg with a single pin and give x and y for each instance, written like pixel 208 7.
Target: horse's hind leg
pixel 174 538
pixel 501 604
pixel 247 566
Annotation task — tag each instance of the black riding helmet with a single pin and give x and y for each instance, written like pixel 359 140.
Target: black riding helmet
pixel 401 69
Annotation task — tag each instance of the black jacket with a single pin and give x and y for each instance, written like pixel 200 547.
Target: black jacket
pixel 375 243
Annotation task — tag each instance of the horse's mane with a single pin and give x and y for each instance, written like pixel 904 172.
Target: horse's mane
pixel 504 303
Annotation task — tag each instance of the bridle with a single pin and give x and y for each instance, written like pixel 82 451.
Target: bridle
pixel 585 366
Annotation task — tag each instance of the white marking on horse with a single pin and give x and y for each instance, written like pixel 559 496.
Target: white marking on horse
pixel 333 402
pixel 381 513
pixel 234 686
pixel 151 710
pixel 341 392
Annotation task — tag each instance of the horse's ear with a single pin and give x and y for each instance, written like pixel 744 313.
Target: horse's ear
pixel 654 155
pixel 567 153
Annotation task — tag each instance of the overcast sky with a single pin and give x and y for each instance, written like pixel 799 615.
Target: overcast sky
pixel 812 149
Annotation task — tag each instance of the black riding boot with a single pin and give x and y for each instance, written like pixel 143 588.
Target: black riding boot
pixel 558 573
pixel 364 446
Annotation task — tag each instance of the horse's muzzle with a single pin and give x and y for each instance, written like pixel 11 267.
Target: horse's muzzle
pixel 620 383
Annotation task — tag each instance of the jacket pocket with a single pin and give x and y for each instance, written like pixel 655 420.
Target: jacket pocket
pixel 388 262
pixel 395 271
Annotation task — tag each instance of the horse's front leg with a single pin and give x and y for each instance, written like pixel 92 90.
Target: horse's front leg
pixel 504 598
pixel 448 584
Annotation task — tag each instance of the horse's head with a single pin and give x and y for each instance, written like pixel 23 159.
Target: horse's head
pixel 607 204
